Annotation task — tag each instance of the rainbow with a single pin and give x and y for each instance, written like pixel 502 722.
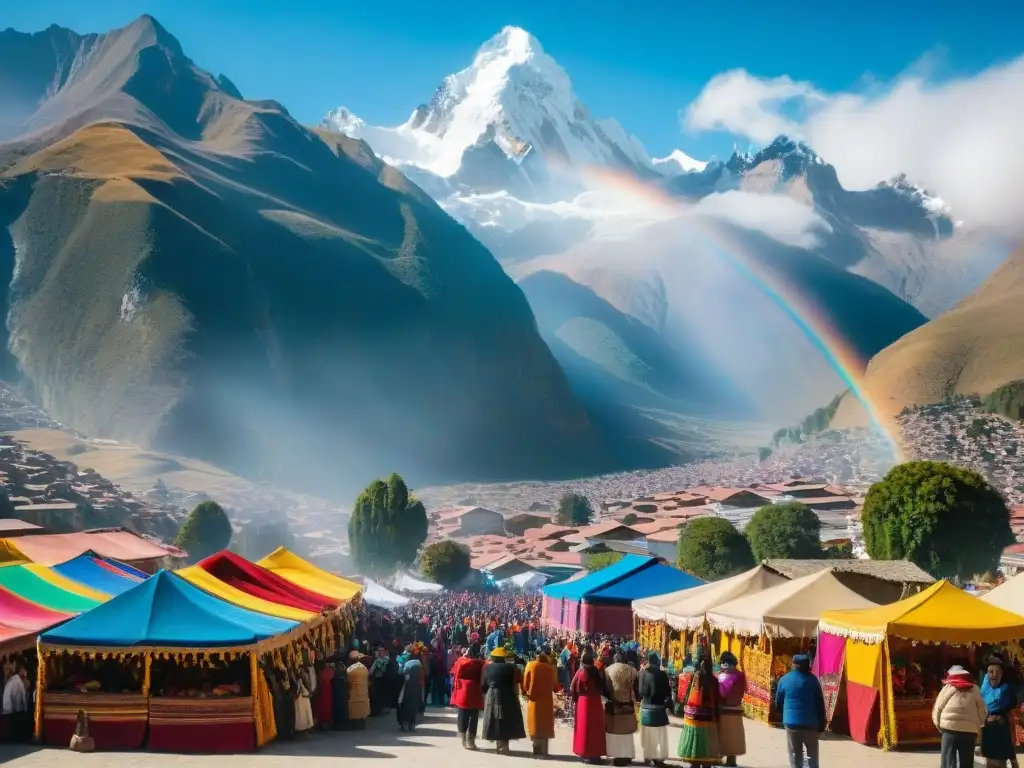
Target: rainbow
pixel 812 322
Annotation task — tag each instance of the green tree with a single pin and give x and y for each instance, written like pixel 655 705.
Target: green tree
pixel 445 562
pixel 207 530
pixel 574 509
pixel 946 519
pixel 387 527
pixel 787 530
pixel 519 524
pixel 711 548
pixel 629 518
pixel 595 561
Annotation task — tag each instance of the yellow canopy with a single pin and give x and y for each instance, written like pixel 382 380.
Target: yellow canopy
pixel 940 614
pixel 293 568
pixel 207 582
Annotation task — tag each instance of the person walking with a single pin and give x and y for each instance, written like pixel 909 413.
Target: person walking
pixel 732 684
pixel 540 684
pixel 503 717
pixel 466 694
pixel 959 714
pixel 698 741
pixel 1000 702
pixel 588 739
pixel 410 697
pixel 621 688
pixel 799 699
pixel 655 700
pixel 358 692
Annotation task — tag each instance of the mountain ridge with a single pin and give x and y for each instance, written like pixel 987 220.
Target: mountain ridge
pixel 213 260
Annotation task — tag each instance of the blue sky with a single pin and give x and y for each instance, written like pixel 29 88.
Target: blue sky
pixel 638 61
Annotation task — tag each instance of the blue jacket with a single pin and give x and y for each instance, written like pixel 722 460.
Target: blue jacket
pixel 798 697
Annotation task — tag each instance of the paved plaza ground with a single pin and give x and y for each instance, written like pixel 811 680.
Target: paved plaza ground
pixel 435 744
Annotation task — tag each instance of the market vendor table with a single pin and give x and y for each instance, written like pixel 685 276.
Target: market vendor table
pixel 914 726
pixel 209 724
pixel 116 720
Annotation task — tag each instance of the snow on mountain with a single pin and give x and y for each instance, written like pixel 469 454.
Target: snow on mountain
pixel 514 97
pixel 677 162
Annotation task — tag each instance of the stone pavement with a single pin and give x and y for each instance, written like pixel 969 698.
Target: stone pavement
pixel 435 744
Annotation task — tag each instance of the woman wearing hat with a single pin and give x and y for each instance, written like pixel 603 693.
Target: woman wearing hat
pixel 959 713
pixel 1000 702
pixel 588 736
pixel 503 717
pixel 732 684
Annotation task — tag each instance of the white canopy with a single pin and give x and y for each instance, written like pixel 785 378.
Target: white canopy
pixel 406 582
pixel 791 609
pixel 1009 595
pixel 687 613
pixel 531 581
pixel 382 597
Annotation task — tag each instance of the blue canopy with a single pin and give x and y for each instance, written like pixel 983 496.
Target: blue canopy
pixel 166 611
pixel 577 590
pixel 658 579
pixel 88 569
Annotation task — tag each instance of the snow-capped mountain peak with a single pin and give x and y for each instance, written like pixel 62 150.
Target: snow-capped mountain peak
pixel 677 162
pixel 514 98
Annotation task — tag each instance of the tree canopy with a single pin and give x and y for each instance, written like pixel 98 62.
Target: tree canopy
pixel 519 524
pixel 787 530
pixel 387 527
pixel 946 519
pixel 207 530
pixel 595 561
pixel 574 509
pixel 711 548
pixel 445 562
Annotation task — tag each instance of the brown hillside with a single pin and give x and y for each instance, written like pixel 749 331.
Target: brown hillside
pixel 973 348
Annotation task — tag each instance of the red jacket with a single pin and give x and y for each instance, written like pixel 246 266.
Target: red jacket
pixel 466 683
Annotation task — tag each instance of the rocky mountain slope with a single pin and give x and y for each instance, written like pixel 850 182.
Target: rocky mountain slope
pixel 972 349
pixel 198 273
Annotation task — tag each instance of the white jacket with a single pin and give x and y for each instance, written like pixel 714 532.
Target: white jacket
pixel 961 710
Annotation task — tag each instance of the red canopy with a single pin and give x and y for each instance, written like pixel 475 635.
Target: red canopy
pixel 19 614
pixel 250 578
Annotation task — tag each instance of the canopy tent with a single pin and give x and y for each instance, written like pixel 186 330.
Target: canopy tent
pixel 577 589
pixel 406 582
pixel 163 618
pixel 20 614
pixel 861 647
pixel 166 611
pixel 381 597
pixel 689 611
pixel 940 614
pixel 207 582
pixel 1009 595
pixel 250 578
pixel 55 548
pixel 790 609
pixel 653 580
pixel 295 570
pixel 45 587
pixel 94 572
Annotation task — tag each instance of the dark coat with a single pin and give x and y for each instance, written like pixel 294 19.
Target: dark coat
pixel 655 698
pixel 503 717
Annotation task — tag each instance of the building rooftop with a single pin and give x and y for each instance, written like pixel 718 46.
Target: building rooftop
pixel 897 571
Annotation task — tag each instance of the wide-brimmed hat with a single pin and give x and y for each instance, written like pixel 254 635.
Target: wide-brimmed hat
pixel 957 674
pixel 499 653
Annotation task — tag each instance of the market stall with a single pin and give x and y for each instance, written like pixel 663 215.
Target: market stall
pixel 602 601
pixel 250 578
pixel 892 658
pixel 764 630
pixel 166 655
pixel 669 623
pixel 302 573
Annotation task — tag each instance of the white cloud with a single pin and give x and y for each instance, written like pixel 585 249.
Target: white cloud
pixel 961 139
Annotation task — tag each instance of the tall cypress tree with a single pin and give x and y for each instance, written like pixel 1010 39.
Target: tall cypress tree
pixel 387 527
